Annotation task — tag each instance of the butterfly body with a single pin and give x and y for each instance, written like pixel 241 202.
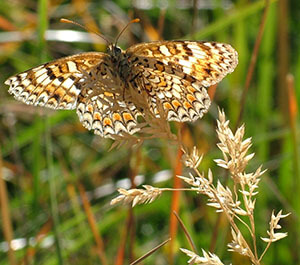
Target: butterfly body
pixel 110 90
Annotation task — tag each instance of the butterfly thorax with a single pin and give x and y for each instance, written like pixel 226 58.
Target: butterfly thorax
pixel 120 61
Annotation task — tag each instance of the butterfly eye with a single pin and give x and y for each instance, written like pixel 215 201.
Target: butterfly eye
pixel 116 50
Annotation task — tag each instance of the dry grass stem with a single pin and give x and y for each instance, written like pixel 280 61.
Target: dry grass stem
pixel 187 234
pixel 238 244
pixel 233 147
pixel 137 196
pixel 150 252
pixel 206 259
pixel 192 160
pixel 274 225
pixel 93 225
pixel 140 196
pixel 272 235
pixel 237 202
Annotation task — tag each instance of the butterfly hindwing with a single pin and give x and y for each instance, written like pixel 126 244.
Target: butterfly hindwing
pixel 181 99
pixel 119 121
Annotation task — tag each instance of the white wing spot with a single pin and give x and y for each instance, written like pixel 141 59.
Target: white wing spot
pixel 72 67
pixel 68 83
pixel 185 63
pixel 56 82
pixel 41 78
pixel 164 50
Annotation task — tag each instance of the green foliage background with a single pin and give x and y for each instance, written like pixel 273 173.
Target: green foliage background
pixel 47 154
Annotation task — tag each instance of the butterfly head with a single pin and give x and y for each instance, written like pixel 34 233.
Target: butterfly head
pixel 114 51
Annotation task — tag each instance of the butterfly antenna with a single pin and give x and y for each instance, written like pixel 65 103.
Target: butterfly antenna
pixel 64 20
pixel 136 20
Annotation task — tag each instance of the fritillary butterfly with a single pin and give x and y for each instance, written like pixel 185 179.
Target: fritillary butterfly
pixel 110 90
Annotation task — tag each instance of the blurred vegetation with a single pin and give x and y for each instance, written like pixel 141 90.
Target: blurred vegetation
pixel 51 164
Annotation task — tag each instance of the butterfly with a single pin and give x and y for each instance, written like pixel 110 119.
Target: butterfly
pixel 111 90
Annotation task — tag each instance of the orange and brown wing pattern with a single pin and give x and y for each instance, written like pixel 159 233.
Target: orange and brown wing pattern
pixel 54 84
pixel 106 116
pixel 182 99
pixel 102 107
pixel 177 73
pixel 208 62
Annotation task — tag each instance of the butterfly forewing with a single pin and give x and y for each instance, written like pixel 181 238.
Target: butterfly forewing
pixel 208 62
pixel 54 84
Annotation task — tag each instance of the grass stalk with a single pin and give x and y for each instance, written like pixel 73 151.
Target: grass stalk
pixel 253 62
pixel 93 225
pixel 293 115
pixel 177 184
pixel 120 256
pixel 187 234
pixel 53 194
pixel 265 78
pixel 6 218
pixel 283 55
pixel 233 18
pixel 42 27
pixel 150 252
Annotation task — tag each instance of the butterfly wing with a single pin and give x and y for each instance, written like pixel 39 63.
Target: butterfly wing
pixel 176 73
pixel 101 104
pixel 181 99
pixel 107 117
pixel 208 62
pixel 55 84
pixel 79 81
